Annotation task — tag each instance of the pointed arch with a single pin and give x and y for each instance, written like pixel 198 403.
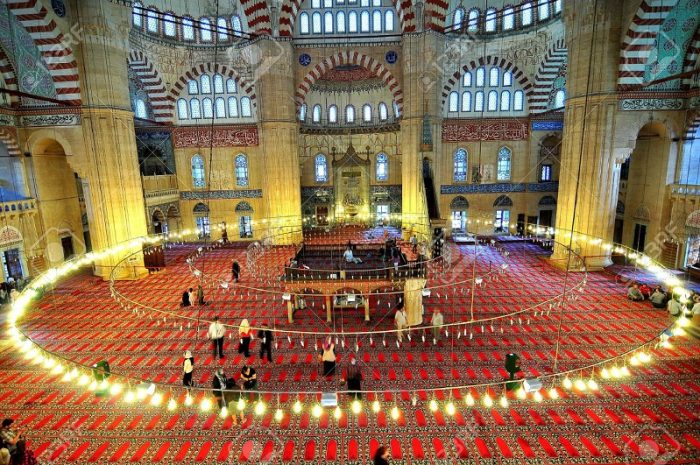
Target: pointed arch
pixel 146 72
pixel 9 76
pixel 8 136
pixel 546 75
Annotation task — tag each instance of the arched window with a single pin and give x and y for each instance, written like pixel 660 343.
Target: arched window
pixel 349 114
pixel 302 112
pixel 232 107
pixel 473 21
pixel 315 3
pixel 238 26
pixel 187 29
pixel 557 6
pixel 490 21
pixel 467 79
pixel 222 28
pixel 543 10
pixel 505 100
pixel 454 102
pixel 316 114
pixel 218 84
pixel 328 22
pixel 364 21
pixel 559 98
pixel 340 21
pixel 220 106
pixel 526 14
pixel 332 114
pixel 304 23
pixel 231 87
pixel 480 77
pixel 195 109
pixel 321 168
pixel 140 109
pixel 459 162
pixel 503 168
pixel 316 23
pixel 376 21
pixel 382 168
pixel 246 110
pixel 383 112
pixel 152 20
pixel 507 79
pixel 388 21
pixel 479 101
pixel 352 22
pixel 466 101
pixel 518 100
pixel 366 113
pixel 241 170
pixel 205 29
pixel 207 110
pixel 397 111
pixel 198 171
pixel 169 25
pixel 137 15
pixel 192 87
pixel 493 77
pixel 458 19
pixel 182 108
pixel 493 101
pixel 205 83
pixel 508 18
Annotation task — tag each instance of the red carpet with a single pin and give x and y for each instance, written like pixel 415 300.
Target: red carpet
pixel 653 413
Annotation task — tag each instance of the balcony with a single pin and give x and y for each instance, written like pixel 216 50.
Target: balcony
pixel 160 189
pixel 685 191
pixel 324 126
pixel 13 207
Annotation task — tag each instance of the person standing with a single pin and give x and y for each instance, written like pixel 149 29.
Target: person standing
pixel 381 457
pixel 437 321
pixel 265 336
pixel 249 379
pixel 186 299
pixel 354 380
pixel 216 334
pixel 219 385
pixel 401 322
pixel 235 271
pixel 328 357
pixel 187 369
pixel 200 295
pixel 192 297
pixel 244 335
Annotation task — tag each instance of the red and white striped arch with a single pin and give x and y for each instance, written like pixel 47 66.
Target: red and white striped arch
pixel 547 73
pixel 153 84
pixel 290 10
pixel 8 137
pixel 257 15
pixel 9 77
pixel 350 58
pixel 195 72
pixel 53 47
pixel 505 65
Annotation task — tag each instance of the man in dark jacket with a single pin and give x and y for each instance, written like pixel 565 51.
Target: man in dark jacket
pixel 265 336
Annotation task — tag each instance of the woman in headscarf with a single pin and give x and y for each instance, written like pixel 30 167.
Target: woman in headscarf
pixel 244 334
pixel 187 369
pixel 328 357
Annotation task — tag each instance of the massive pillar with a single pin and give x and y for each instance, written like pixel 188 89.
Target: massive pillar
pixel 590 158
pixel 422 80
pixel 109 164
pixel 279 141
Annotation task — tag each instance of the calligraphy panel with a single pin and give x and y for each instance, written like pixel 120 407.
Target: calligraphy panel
pixel 223 136
pixel 484 130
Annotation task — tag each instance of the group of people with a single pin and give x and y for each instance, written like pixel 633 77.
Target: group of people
pixel 401 323
pixel 663 299
pixel 190 297
pixel 8 291
pixel 13 449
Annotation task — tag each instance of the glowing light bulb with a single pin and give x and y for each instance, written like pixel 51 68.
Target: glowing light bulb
pixel 678 331
pixel 93 386
pixel 488 402
pixel 224 412
pixel 592 385
pixel 503 401
pixel 156 399
pixel 624 371
pixel 634 360
pixel 537 396
pixel 450 408
pixel 469 400
pixel 188 400
pixel 395 413
pixel 240 405
pixel 260 408
pixel 151 389
pixel 205 405
pixel 58 369
pixel 604 373
pixel 521 393
pixel 580 384
pixel 316 411
pixel 279 415
pixel 553 393
pixel 172 405
pixel 115 389
pixel 645 357
pixel 296 408
pixel 356 406
pixel 567 383
pixel 683 322
pixel 433 405
pixel 376 406
pixel 130 397
pixel 337 413
pixel 615 372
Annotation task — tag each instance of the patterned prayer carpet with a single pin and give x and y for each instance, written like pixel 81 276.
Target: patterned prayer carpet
pixel 650 417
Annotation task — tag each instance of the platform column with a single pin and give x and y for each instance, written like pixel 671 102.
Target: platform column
pixel 329 310
pixel 290 311
pixel 367 308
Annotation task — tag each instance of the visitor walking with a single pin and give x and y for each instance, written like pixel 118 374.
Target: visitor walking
pixel 354 380
pixel 401 322
pixel 328 357
pixel 265 336
pixel 200 295
pixel 381 456
pixel 235 271
pixel 187 369
pixel 216 334
pixel 244 335
pixel 219 385
pixel 437 321
pixel 186 299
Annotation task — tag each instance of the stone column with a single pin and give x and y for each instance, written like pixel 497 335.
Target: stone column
pixel 279 141
pixel 109 163
pixel 590 156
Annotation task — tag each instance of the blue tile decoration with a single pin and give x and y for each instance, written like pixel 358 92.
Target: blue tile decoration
pixel 547 125
pixel 391 57
pixel 498 188
pixel 222 194
pixel 304 59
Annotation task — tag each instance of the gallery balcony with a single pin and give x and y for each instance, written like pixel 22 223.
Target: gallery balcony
pixel 160 189
pixel 359 126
